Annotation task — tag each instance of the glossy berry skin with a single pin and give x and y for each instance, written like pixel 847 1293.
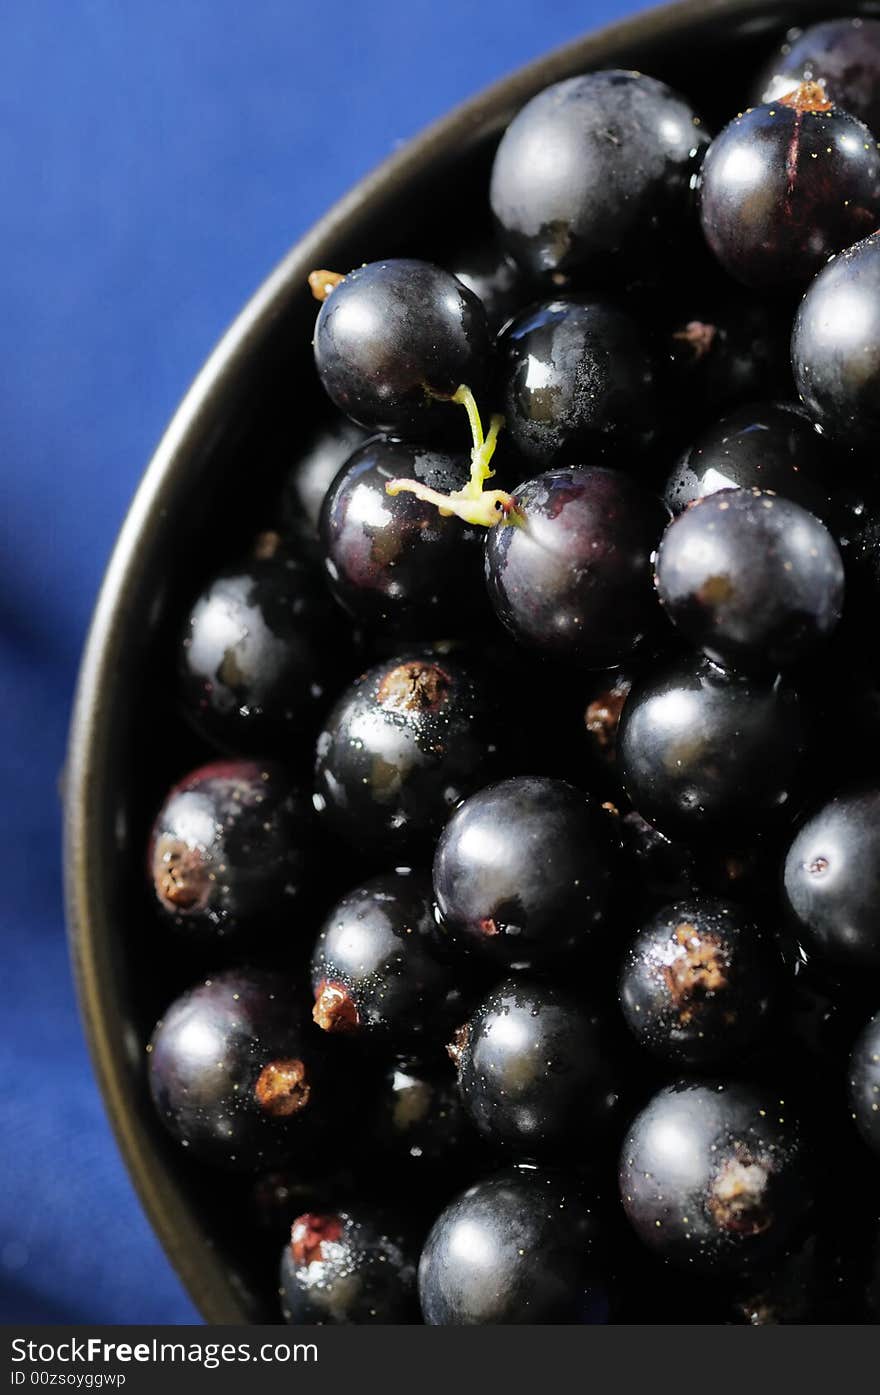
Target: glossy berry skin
pixel 374 969
pixel 534 1072
pixel 518 1247
pixel 844 54
pixel 783 187
pixel 712 1177
pixel 394 561
pixel 404 744
pixel 351 1266
pixel 308 480
pixel 762 445
pixel 699 750
pixel 752 579
pixel 494 278
pixel 236 1074
pixel 522 870
pixel 698 982
pixel 832 880
pixel 258 651
pixel 229 849
pixel 578 383
pixel 864 1083
pixel 595 170
pixel 573 579
pixel 835 346
pixel 394 337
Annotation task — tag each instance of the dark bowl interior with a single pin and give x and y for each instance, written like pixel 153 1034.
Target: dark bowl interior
pixel 210 483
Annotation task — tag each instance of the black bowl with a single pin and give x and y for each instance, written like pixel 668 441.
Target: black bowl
pixel 221 457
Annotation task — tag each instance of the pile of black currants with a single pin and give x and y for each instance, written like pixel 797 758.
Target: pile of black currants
pixel 537 864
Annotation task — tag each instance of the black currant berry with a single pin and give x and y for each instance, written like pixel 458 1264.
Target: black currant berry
pixel 522 870
pixel 374 966
pixel 787 184
pixel 835 346
pixel 698 982
pixel 236 1073
pixel 713 1176
pixel 351 1266
pixel 763 445
pixel 229 850
pixel 519 1247
pixel 259 649
pixel 700 750
pixel 578 383
pixel 594 170
pixel 395 340
pixel 832 880
pixel 844 54
pixel 571 575
pixel 395 561
pixel 404 744
pixel 752 579
pixel 535 1074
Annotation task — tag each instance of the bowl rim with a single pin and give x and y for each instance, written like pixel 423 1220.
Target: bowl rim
pixel 186 1242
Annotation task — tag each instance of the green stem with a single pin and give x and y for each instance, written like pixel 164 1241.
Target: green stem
pixel 472 504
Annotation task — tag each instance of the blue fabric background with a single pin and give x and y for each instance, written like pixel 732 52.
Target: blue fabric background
pixel 156 159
